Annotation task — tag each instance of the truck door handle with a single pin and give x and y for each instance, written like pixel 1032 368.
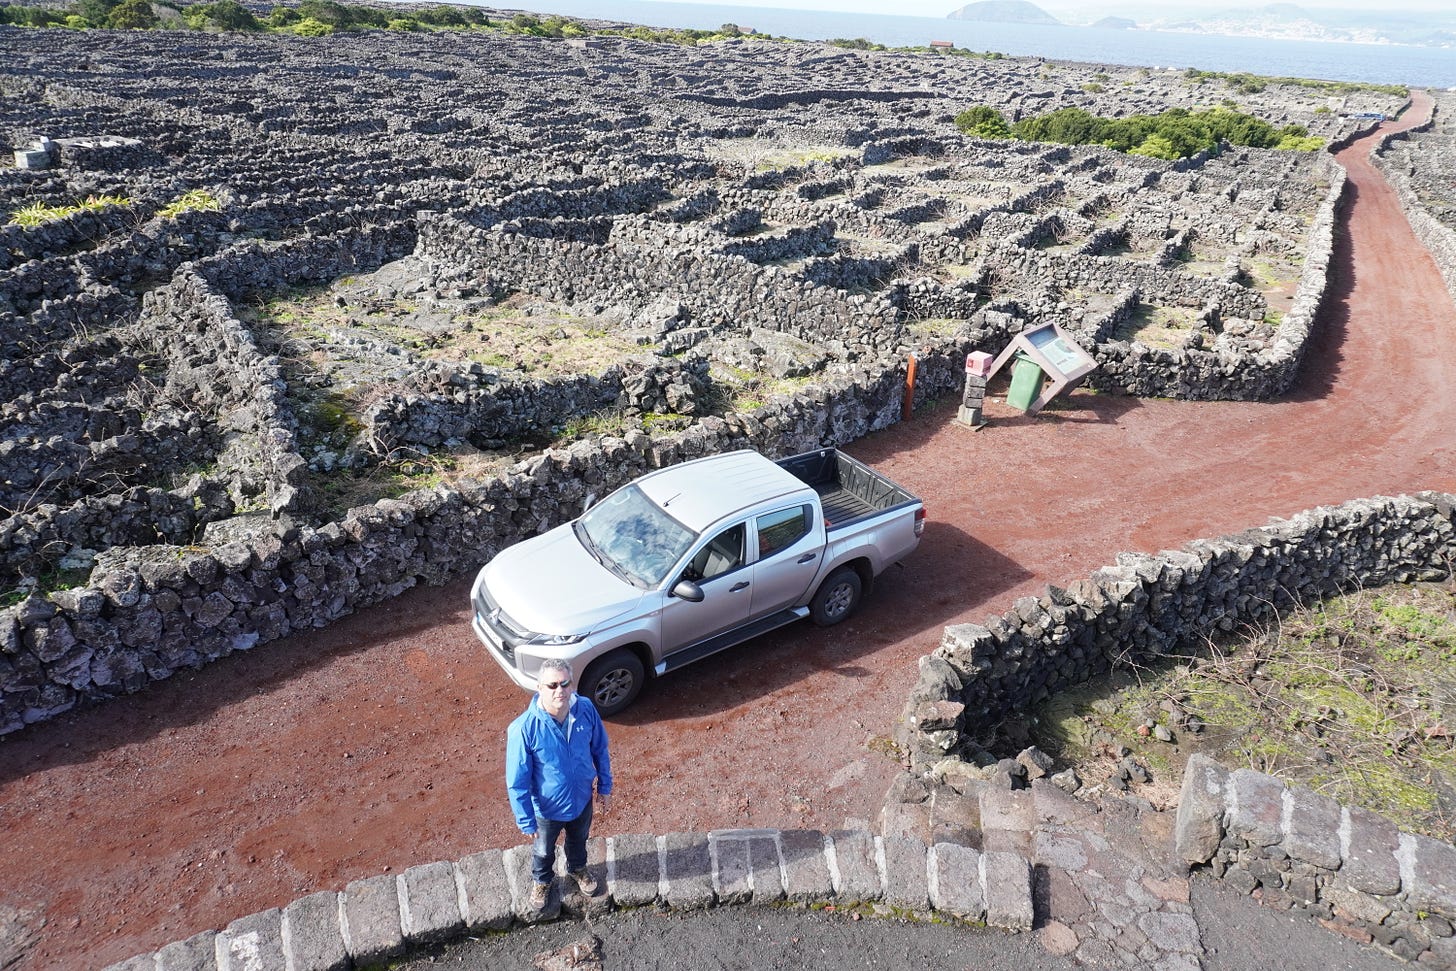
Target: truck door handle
pixel 807 557
pixel 743 585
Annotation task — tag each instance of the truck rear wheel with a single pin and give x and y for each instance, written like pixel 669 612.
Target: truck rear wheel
pixel 613 681
pixel 836 597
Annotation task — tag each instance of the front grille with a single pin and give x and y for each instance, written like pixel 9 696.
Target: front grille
pixel 502 633
pixel 493 640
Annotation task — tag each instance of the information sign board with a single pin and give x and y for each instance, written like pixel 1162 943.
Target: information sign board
pixel 1067 358
pixel 1060 358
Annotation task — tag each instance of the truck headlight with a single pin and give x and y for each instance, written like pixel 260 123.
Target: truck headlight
pixel 554 640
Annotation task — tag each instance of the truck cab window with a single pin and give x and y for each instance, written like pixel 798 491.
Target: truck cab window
pixel 782 529
pixel 723 553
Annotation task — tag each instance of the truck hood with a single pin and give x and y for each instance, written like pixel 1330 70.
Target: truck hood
pixel 550 584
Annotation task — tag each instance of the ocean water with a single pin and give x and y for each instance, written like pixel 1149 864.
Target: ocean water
pixel 1372 63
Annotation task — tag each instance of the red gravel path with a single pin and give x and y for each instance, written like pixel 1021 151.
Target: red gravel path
pixel 377 744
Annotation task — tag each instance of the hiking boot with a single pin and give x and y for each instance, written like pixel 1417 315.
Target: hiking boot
pixel 540 892
pixel 585 882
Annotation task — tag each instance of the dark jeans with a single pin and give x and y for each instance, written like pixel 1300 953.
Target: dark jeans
pixel 543 854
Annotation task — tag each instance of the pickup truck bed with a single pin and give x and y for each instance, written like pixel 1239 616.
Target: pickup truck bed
pixel 848 489
pixel 841 505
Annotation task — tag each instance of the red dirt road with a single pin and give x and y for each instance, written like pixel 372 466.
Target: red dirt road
pixel 378 743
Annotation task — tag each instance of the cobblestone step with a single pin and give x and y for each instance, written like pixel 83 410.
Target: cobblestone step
pixel 1108 890
pixel 381 918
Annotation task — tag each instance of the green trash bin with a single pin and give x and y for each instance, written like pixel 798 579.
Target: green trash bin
pixel 1026 380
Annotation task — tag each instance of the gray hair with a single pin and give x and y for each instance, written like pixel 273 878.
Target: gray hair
pixel 554 664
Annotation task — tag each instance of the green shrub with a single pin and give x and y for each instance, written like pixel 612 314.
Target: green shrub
pixel 95 11
pixel 41 17
pixel 684 37
pixel 1175 133
pixel 1156 146
pixel 441 17
pixel 1292 143
pixel 368 17
pixel 197 200
pixel 1069 126
pixel 38 213
pixel 983 121
pixel 556 27
pixel 222 15
pixel 1254 83
pixel 308 27
pixel 132 15
pixel 329 12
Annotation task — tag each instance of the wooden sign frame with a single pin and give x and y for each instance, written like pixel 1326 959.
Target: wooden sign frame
pixel 1064 362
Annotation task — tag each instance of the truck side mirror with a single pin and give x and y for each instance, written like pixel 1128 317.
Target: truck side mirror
pixel 688 590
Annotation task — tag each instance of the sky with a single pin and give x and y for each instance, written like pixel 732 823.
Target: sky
pixel 1075 11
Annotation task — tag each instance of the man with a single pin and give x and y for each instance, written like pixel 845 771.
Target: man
pixel 555 751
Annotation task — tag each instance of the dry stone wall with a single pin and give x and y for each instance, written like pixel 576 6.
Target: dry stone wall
pixel 1147 606
pixel 477 406
pixel 149 611
pixel 1348 868
pixel 717 290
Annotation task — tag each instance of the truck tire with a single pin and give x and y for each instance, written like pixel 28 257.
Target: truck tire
pixel 836 597
pixel 613 681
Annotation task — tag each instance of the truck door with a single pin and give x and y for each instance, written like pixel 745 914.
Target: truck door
pixel 719 567
pixel 788 548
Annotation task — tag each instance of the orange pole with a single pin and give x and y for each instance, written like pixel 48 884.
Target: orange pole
pixel 909 403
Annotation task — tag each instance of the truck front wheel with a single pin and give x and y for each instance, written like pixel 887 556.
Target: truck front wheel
pixel 836 598
pixel 612 681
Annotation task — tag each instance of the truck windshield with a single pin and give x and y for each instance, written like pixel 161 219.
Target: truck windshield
pixel 636 537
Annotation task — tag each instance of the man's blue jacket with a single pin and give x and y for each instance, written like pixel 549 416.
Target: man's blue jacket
pixel 548 775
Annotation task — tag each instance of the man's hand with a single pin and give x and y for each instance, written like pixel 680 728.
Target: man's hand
pixel 604 803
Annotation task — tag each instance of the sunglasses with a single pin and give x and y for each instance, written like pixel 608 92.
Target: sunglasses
pixel 553 685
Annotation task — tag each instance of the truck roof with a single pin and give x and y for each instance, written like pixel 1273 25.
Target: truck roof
pixel 701 492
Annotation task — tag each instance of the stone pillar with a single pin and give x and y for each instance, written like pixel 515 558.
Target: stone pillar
pixel 978 365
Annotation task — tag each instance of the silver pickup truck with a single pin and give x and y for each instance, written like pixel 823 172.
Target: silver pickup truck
pixel 689 560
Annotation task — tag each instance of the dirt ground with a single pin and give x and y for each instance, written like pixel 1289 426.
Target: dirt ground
pixel 378 743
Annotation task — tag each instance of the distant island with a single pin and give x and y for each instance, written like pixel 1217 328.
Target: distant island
pixel 1277 21
pixel 1281 20
pixel 1004 12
